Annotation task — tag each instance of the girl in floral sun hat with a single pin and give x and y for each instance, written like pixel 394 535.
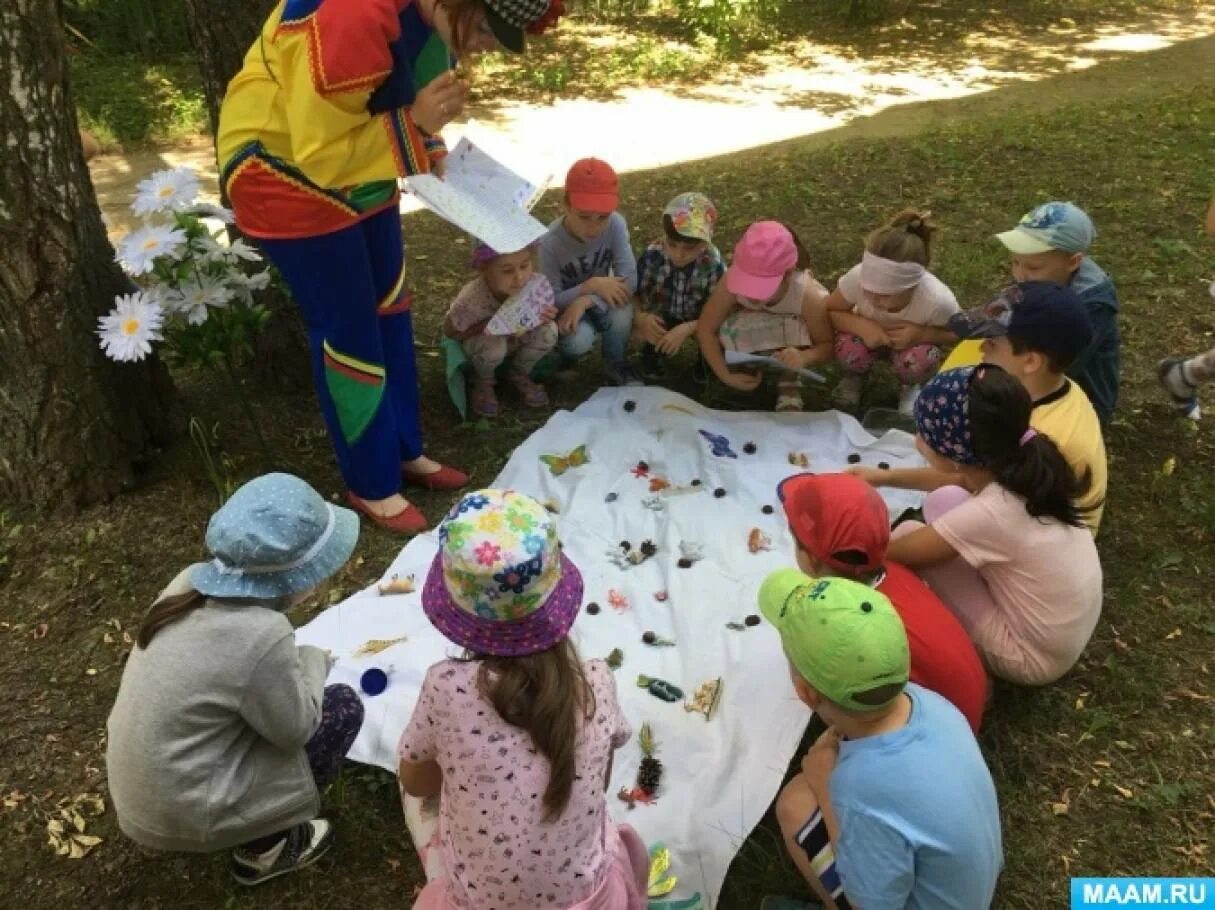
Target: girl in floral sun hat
pixel 517 736
pixel 769 303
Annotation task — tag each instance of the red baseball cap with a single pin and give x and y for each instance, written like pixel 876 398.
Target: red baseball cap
pixel 836 514
pixel 592 186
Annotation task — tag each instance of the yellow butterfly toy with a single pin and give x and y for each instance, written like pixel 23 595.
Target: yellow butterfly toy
pixel 559 464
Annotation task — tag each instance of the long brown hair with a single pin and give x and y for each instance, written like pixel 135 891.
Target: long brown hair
pixel 548 695
pixel 907 237
pixel 463 16
pixel 166 610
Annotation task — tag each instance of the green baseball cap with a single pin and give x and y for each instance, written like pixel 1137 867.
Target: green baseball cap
pixel 844 637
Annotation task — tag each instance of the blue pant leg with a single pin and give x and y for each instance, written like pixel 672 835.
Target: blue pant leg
pixel 331 281
pixel 386 248
pixel 581 340
pixel 618 325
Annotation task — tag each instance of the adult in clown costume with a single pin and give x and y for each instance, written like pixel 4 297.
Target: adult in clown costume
pixel 335 101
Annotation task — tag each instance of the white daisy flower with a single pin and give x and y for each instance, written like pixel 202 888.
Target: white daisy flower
pixel 139 250
pixel 208 210
pixel 258 281
pixel 166 191
pixel 129 329
pixel 195 298
pixel 238 249
pixel 208 248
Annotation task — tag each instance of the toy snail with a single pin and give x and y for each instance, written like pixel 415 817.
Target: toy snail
pixel 660 688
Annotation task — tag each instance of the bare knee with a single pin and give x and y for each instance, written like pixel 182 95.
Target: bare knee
pixel 794 805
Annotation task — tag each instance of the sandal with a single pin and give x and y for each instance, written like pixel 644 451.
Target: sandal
pixel 409 520
pixel 533 394
pixel 789 398
pixel 482 398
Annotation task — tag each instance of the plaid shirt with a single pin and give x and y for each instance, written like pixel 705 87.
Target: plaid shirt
pixel 678 294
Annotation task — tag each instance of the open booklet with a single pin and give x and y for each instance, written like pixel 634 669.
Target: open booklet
pixel 482 196
pixel 738 358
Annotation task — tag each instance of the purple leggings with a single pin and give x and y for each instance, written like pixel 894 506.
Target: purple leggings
pixel 912 366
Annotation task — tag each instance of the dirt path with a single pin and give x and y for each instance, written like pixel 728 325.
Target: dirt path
pixel 821 92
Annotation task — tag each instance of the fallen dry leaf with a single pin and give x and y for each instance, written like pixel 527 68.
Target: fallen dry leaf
pixel 40 631
pixel 1124 792
pixel 376 645
pixel 1176 633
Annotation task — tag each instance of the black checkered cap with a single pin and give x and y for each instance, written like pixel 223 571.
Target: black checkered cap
pixel 519 13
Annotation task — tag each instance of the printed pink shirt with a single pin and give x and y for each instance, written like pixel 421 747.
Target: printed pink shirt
pixel 498 850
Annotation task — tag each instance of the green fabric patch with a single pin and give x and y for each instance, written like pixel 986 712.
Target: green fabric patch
pixel 367 196
pixel 356 402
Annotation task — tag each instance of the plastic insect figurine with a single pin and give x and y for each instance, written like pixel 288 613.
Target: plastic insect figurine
pixel 660 688
pixel 658 484
pixel 559 464
pixel 625 556
pixel 654 503
pixel 799 460
pixel 706 699
pixel 757 541
pixel 552 506
pixel 641 469
pixel 617 601
pixel 398 585
pixel 615 660
pixel 661 596
pixel 719 445
pixel 691 550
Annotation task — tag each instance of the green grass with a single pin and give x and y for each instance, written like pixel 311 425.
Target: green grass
pixel 1106 772
pixel 128 100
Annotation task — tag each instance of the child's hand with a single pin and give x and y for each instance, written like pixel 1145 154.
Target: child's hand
pixel 611 289
pixel 567 322
pixel 439 102
pixel 874 336
pixel 791 358
pixel 904 335
pixel 744 382
pixel 673 340
pixel 549 312
pixel 819 762
pixel 650 327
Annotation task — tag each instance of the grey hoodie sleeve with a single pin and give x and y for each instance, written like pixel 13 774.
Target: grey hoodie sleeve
pixel 624 263
pixel 283 699
pixel 553 254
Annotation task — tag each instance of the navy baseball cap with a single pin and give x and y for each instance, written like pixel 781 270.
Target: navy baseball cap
pixel 1041 315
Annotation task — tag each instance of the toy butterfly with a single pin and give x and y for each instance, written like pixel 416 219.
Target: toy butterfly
pixel 720 445
pixel 559 464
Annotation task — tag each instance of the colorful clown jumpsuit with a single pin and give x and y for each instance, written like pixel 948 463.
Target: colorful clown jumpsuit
pixel 313 132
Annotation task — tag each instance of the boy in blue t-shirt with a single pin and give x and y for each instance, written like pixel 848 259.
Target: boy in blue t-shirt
pixel 1051 244
pixel 894 807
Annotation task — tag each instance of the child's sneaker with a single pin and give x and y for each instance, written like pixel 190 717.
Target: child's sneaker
pixel 789 398
pixel 847 394
pixel 1183 394
pixel 483 399
pixel 652 366
pixel 907 396
pixel 622 374
pixel 301 846
pixel 533 394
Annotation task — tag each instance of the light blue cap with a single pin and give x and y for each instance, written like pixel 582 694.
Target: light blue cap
pixel 1061 226
pixel 274 536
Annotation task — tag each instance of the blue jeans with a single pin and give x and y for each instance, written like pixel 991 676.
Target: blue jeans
pixel 614 324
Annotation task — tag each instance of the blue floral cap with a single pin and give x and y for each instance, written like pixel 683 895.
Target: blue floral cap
pixel 1062 226
pixel 942 415
pixel 274 536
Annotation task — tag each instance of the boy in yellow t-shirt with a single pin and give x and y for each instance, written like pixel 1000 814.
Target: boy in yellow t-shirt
pixel 1033 330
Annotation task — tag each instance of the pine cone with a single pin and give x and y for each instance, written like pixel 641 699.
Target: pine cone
pixel 649 775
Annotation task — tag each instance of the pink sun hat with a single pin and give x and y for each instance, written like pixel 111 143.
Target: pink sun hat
pixel 762 258
pixel 500 584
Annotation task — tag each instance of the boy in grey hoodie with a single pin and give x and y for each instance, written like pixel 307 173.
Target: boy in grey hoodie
pixel 587 258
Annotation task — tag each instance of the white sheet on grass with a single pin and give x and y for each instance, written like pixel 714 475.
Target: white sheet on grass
pixel 721 775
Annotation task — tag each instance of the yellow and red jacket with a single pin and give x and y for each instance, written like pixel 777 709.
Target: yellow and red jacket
pixel 315 128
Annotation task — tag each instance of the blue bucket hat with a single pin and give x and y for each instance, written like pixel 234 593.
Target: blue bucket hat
pixel 275 536
pixel 942 415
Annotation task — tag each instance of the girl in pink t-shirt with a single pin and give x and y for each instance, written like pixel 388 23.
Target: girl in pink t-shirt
pixel 890 307
pixel 1007 550
pixel 516 737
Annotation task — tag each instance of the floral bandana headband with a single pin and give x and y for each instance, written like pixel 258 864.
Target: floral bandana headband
pixel 942 415
pixel 885 276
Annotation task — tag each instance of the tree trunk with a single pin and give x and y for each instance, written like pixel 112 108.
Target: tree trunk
pixel 75 425
pixel 222 32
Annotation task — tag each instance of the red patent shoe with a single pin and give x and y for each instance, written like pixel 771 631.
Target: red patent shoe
pixel 409 520
pixel 445 478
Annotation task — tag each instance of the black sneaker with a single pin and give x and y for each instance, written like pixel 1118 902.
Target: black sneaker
pixel 652 366
pixel 622 374
pixel 301 846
